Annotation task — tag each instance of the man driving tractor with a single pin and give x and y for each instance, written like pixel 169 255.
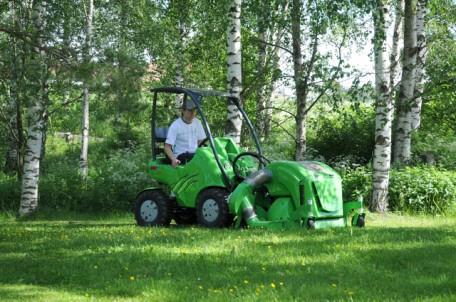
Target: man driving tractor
pixel 184 135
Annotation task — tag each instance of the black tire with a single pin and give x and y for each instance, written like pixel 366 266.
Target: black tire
pixel 212 209
pixel 152 208
pixel 361 222
pixel 184 216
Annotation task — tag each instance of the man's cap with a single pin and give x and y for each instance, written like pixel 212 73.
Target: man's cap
pixel 188 104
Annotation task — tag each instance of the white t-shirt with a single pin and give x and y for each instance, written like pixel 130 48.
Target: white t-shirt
pixel 184 137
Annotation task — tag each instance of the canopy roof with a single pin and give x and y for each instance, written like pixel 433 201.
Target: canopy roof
pixel 192 91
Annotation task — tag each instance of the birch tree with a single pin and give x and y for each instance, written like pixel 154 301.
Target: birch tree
pixel 394 56
pixel 300 81
pixel 420 63
pixel 234 75
pixel 271 28
pixel 83 163
pixel 403 132
pixel 36 113
pixel 383 110
pixel 13 112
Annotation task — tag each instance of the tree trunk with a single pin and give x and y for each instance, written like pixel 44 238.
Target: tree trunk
pixel 301 89
pixel 83 163
pixel 420 63
pixel 180 64
pixel 234 119
pixel 30 179
pixel 394 56
pixel 272 64
pixel 384 113
pixel 402 142
pixel 261 71
pixel 14 137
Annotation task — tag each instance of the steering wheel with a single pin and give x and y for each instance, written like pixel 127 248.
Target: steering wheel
pixel 203 142
pixel 262 161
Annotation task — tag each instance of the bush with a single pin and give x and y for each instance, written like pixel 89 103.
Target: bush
pixel 10 191
pixel 423 190
pixel 348 134
pixel 418 190
pixel 112 184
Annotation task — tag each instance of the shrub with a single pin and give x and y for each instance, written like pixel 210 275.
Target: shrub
pixel 10 191
pixel 112 184
pixel 424 189
pixel 348 134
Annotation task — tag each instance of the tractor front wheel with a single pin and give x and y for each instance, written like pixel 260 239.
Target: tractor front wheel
pixel 212 210
pixel 153 208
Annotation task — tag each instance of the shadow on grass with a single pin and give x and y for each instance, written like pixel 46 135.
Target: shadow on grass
pixel 111 260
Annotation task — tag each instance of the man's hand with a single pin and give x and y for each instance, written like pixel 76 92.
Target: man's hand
pixel 175 162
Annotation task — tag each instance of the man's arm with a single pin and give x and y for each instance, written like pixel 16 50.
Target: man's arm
pixel 169 152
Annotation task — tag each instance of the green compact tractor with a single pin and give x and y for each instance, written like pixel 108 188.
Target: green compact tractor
pixel 223 185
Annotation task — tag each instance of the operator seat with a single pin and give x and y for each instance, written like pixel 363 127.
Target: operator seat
pixel 160 135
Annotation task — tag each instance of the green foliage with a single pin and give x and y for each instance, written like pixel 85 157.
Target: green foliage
pixel 10 190
pixel 343 135
pixel 114 180
pixel 423 190
pixel 82 258
pixel 419 190
pixel 435 146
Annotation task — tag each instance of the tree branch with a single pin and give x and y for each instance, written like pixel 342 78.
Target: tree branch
pixel 282 110
pixel 273 44
pixel 334 76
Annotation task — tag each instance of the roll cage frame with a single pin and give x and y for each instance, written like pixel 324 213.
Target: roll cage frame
pixel 196 95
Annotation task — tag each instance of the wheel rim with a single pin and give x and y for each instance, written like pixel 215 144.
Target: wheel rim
pixel 149 210
pixel 210 210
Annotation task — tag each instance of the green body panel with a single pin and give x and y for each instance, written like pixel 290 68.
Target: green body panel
pixel 187 181
pixel 281 209
pixel 298 191
pixel 309 184
pixel 330 223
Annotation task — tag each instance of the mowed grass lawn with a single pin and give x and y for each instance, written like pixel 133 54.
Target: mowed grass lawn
pixel 74 258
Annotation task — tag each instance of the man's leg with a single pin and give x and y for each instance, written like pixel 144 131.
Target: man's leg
pixel 185 157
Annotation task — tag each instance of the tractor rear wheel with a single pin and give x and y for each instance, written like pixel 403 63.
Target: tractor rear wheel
pixel 153 208
pixel 212 209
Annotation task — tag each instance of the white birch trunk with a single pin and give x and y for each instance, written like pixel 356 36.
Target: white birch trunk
pixel 83 162
pixel 14 137
pixel 180 67
pixel 394 56
pixel 384 114
pixel 31 174
pixel 234 119
pixel 420 62
pixel 403 133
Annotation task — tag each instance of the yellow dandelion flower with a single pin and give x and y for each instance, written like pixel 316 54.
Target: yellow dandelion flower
pixel 132 278
pixel 246 281
pixel 273 285
pixel 334 285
